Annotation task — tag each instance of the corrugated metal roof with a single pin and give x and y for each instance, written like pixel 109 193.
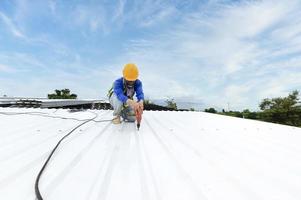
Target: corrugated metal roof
pixel 174 156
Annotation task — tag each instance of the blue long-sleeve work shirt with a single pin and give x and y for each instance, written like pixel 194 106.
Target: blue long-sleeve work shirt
pixel 118 89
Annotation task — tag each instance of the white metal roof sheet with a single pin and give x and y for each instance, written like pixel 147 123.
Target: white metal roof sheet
pixel 174 156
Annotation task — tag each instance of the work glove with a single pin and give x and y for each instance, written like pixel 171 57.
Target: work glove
pixel 132 104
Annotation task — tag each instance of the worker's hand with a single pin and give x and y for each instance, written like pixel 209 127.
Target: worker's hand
pixel 137 106
pixel 131 103
pixel 141 105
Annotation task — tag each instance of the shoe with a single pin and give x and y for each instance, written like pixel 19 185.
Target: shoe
pixel 116 120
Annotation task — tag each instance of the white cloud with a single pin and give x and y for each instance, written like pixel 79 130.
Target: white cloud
pixel 92 17
pixel 142 14
pixel 221 51
pixel 217 53
pixel 119 11
pixel 11 26
pixel 5 68
pixel 158 17
pixel 23 62
pixel 52 6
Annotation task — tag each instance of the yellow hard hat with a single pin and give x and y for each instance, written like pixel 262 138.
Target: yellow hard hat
pixel 130 72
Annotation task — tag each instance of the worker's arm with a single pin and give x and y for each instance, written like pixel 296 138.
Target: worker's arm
pixel 139 94
pixel 118 90
pixel 139 91
pixel 141 104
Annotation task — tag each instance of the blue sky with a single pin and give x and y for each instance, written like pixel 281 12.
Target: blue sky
pixel 207 53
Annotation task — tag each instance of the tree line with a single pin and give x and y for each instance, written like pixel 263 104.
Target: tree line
pixel 281 110
pixel 62 94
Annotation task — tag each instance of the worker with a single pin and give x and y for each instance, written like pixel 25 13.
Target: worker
pixel 121 95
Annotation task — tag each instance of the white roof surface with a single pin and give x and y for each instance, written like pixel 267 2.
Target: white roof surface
pixel 174 156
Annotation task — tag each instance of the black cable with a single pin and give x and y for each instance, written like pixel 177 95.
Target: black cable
pixel 45 115
pixel 37 191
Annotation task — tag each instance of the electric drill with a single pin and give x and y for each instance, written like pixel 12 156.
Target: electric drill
pixel 138 117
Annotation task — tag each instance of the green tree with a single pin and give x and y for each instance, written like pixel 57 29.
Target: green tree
pixel 283 110
pixel 62 94
pixel 249 115
pixel 171 103
pixel 146 102
pixel 210 110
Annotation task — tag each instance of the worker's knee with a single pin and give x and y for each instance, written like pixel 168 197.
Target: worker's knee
pixel 116 104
